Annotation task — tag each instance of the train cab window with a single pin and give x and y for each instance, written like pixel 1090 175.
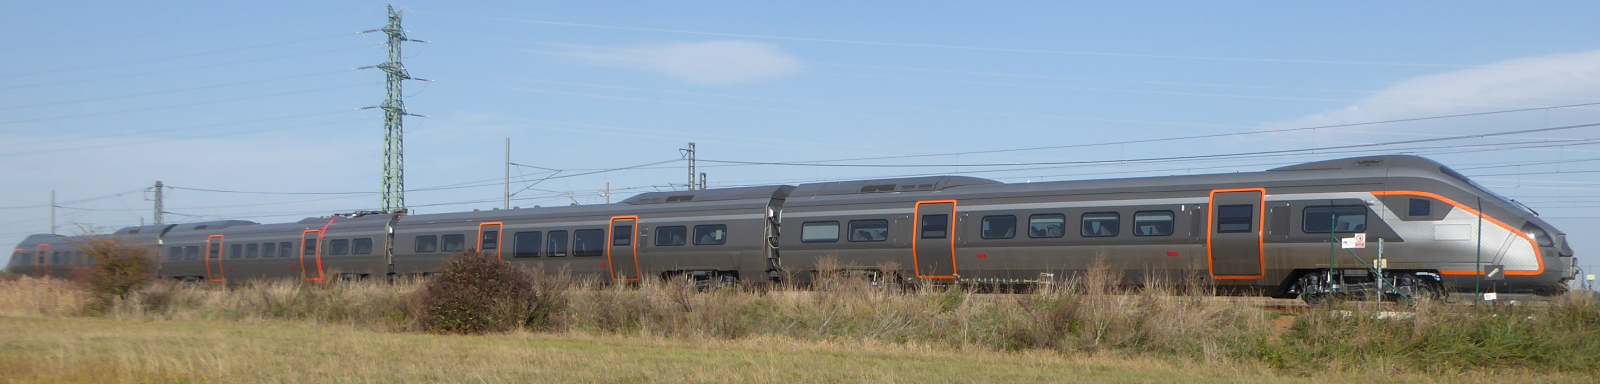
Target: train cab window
pixel 1420 207
pixel 338 247
pixel 362 246
pixel 819 232
pixel 252 250
pixel 672 235
pixel 588 242
pixel 526 244
pixel 935 226
pixel 452 243
pixel 235 251
pixel 174 253
pixel 622 235
pixel 869 230
pixel 557 244
pixel 1152 223
pixel 269 250
pixel 999 227
pixel 713 234
pixel 429 243
pixel 1538 234
pixel 285 249
pixel 1235 218
pixel 191 253
pixel 1047 225
pixel 1101 224
pixel 1334 218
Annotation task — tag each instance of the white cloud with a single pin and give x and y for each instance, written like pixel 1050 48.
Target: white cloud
pixel 710 62
pixel 1559 79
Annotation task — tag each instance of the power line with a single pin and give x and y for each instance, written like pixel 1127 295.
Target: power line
pixel 178 139
pixel 170 91
pixel 33 143
pixel 958 47
pixel 180 105
pixel 184 69
pixel 184 56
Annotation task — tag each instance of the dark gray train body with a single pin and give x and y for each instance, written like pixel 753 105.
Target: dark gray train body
pixel 1257 231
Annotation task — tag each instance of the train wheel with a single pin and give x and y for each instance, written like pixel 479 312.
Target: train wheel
pixel 1419 289
pixel 1313 289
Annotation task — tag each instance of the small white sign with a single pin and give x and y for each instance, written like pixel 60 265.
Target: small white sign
pixel 1491 296
pixel 1591 277
pixel 1359 241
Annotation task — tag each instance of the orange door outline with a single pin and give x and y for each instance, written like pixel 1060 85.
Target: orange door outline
pixel 40 269
pixel 1261 220
pixel 1537 255
pixel 499 240
pixel 611 266
pixel 916 237
pixel 220 277
pixel 317 256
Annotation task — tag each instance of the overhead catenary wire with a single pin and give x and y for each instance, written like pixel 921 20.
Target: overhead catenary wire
pixel 956 47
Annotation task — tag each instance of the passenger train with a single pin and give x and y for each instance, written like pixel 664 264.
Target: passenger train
pixel 1278 232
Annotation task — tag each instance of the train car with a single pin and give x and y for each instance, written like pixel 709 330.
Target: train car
pixel 1276 232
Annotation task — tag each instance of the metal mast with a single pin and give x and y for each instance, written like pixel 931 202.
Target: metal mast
pixel 159 204
pixel 394 111
pixel 688 154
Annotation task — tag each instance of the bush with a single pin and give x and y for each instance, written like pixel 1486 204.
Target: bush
pixel 474 293
pixel 120 268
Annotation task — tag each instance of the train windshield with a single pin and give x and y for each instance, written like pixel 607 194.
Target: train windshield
pixel 1458 176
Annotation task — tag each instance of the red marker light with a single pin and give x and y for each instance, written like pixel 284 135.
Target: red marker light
pixel 1172 253
pixel 983 255
pixel 602 265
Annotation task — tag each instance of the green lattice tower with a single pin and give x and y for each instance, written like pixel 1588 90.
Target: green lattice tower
pixel 394 112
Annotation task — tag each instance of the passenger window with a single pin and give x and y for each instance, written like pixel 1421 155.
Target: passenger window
pixel 869 230
pixel 1047 225
pixel 1341 218
pixel 429 243
pixel 1235 218
pixel 621 235
pixel 672 236
pixel 1421 207
pixel 588 242
pixel 55 257
pixel 235 251
pixel 1101 224
pixel 452 243
pixel 174 253
pixel 191 253
pixel 338 247
pixel 362 246
pixel 526 244
pixel 1153 223
pixel 999 227
pixel 935 226
pixel 819 232
pixel 285 249
pixel 251 250
pixel 269 250
pixel 713 234
pixel 310 246
pixel 558 244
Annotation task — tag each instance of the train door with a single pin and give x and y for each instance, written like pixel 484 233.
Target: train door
pixel 933 248
pixel 310 256
pixel 39 267
pixel 489 240
pixel 214 259
pixel 622 253
pixel 1234 248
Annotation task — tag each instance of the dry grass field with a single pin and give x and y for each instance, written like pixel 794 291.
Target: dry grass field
pixel 89 350
pixel 841 330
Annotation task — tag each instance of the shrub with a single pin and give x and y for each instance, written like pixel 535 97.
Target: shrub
pixel 474 293
pixel 120 268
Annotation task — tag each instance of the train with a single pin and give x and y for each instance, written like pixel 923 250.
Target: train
pixel 1288 232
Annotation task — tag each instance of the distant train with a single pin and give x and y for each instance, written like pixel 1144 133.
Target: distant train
pixel 1276 232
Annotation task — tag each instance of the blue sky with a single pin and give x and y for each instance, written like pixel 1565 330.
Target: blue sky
pixel 101 100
